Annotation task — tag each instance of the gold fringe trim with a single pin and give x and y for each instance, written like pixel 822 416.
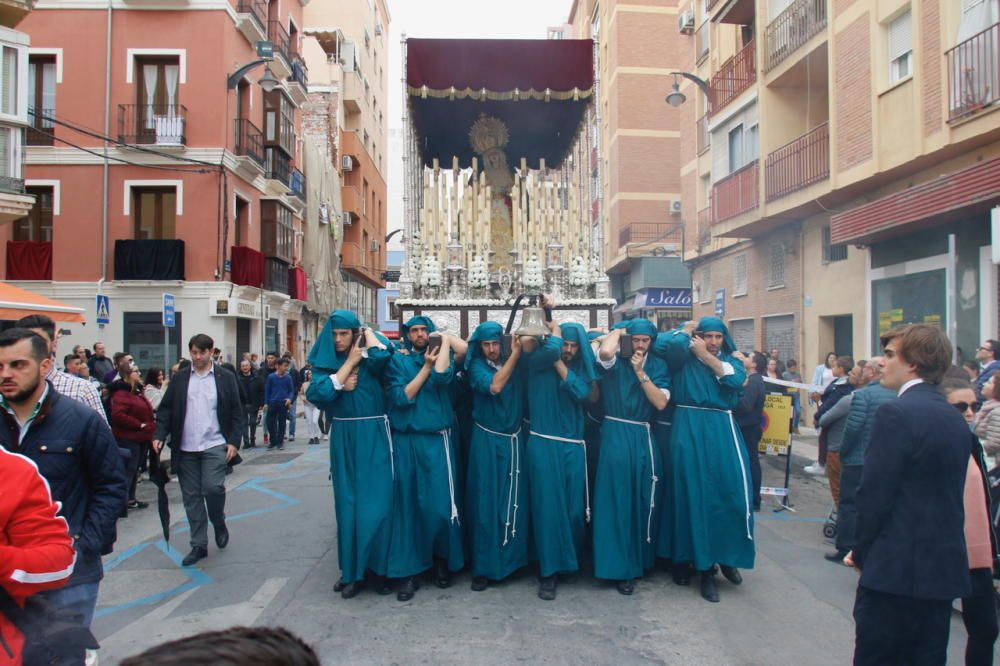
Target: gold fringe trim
pixel 513 95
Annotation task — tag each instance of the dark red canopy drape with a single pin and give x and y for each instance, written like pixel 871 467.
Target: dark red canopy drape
pixel 29 260
pixel 297 284
pixel 247 266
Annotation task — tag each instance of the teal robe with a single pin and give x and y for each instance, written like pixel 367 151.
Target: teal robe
pixel 628 472
pixel 497 490
pixel 425 521
pixel 361 462
pixel 711 519
pixel 557 470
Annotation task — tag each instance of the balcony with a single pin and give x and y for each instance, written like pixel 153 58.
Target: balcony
pixel 149 260
pixel 298 184
pixel 798 164
pixel 247 266
pixel 13 11
pixel 278 169
pixel 705 226
pixel 734 77
pixel 704 136
pixel 276 275
pixel 795 26
pixel 351 201
pixel 298 283
pixel 974 74
pixel 251 20
pixel 29 260
pixel 40 131
pixel 152 124
pixel 649 232
pixel 298 82
pixel 249 142
pixel 277 34
pixel 353 92
pixel 737 193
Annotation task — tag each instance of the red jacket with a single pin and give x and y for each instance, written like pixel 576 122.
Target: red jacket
pixel 131 414
pixel 36 551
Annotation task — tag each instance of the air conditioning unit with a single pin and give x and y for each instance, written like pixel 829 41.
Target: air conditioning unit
pixel 347 163
pixel 675 207
pixel 685 22
pixel 346 219
pixel 374 246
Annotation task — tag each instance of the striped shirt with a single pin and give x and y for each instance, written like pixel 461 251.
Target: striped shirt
pixel 77 388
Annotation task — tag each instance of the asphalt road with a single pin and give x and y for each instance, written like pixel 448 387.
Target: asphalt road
pixel 281 563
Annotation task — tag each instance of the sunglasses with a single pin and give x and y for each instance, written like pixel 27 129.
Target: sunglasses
pixel 963 406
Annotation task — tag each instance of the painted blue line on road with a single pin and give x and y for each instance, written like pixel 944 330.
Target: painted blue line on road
pixel 784 517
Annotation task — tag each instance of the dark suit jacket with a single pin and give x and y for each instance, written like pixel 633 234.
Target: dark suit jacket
pixel 911 518
pixel 173 407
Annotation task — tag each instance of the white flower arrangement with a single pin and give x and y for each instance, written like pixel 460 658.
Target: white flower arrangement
pixel 596 270
pixel 431 272
pixel 533 273
pixel 579 272
pixel 496 303
pixel 479 275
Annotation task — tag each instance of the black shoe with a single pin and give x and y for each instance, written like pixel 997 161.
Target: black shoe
pixel 681 574
pixel 442 577
pixel 251 445
pixel 271 447
pixel 197 553
pixel 480 583
pixel 836 557
pixel 568 578
pixel 381 585
pixel 626 587
pixel 352 590
pixel 407 589
pixel 709 590
pixel 292 438
pixel 136 504
pixel 547 588
pixel 732 574
pixel 221 536
pixel 281 447
pixel 339 585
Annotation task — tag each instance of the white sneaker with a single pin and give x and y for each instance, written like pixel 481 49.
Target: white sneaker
pixel 816 468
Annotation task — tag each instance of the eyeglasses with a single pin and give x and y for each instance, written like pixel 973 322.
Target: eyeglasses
pixel 964 406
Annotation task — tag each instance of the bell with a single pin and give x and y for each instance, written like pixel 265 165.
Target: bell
pixel 532 323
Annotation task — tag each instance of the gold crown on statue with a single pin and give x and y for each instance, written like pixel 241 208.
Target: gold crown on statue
pixel 488 133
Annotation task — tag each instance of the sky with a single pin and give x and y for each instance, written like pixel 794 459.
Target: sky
pixel 458 19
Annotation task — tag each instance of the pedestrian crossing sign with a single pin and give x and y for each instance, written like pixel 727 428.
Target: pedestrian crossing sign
pixel 103 309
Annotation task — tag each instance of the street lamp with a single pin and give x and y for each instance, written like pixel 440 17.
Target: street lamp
pixel 675 97
pixel 268 81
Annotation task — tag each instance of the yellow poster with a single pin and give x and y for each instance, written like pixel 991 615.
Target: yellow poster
pixel 897 314
pixel 777 420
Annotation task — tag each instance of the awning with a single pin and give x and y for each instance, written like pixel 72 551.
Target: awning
pixel 948 197
pixel 539 89
pixel 16 303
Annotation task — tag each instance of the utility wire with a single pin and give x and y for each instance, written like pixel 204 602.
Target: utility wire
pixel 124 161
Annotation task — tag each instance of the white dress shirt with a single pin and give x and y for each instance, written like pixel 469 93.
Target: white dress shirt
pixel 906 387
pixel 201 422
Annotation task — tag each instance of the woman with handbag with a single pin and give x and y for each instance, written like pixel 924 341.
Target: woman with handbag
pixel 132 423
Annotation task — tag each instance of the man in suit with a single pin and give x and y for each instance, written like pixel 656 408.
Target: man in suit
pixel 910 541
pixel 203 415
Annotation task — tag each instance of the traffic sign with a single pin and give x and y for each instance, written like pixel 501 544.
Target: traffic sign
pixel 720 303
pixel 103 309
pixel 169 313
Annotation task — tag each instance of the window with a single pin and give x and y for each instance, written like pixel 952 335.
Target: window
pixel 241 218
pixel 900 48
pixel 751 144
pixel 705 293
pixel 8 72
pixel 279 122
pixel 276 230
pixel 740 275
pixel 37 225
pixel 157 108
pixel 832 253
pixel 144 338
pixel 154 211
pixel 10 156
pixel 736 148
pixel 393 312
pixel 41 99
pixel 776 274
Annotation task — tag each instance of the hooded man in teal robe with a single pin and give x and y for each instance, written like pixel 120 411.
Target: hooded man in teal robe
pixel 561 376
pixel 709 474
pixel 632 389
pixel 497 490
pixel 348 362
pixel 426 529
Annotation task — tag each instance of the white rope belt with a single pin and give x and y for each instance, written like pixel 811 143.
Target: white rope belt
pixel 586 470
pixel 736 446
pixel 514 476
pixel 652 472
pixel 388 435
pixel 446 436
pixel 664 423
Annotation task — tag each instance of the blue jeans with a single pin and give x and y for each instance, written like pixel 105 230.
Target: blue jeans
pixel 291 420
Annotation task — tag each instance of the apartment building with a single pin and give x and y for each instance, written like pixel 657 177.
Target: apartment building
pixel 165 155
pixel 349 70
pixel 635 161
pixel 15 202
pixel 805 115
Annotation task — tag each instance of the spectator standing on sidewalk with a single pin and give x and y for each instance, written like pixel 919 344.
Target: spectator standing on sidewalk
pixel 822 378
pixel 749 415
pixel 792 374
pixel 296 376
pixel 99 364
pixel 132 423
pixel 253 387
pixel 910 546
pixel 988 355
pixel 834 420
pixel 279 391
pixel 155 386
pixel 987 421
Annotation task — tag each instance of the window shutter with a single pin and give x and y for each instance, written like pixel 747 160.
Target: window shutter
pixel 900 36
pixel 8 99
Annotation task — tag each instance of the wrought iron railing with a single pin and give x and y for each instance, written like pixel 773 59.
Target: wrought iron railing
pixel 650 232
pixel 797 164
pixel 974 74
pixel 278 36
pixel 792 28
pixel 249 141
pixel 734 77
pixel 255 8
pixel 41 128
pixel 160 124
pixel 277 166
pixel 298 184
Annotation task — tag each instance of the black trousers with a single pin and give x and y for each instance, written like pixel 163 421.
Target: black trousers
pixel 751 438
pixel 979 612
pixel 892 629
pixel 847 511
pixel 276 421
pixel 250 432
pixel 132 451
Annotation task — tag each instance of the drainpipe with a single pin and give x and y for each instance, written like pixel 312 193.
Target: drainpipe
pixel 107 130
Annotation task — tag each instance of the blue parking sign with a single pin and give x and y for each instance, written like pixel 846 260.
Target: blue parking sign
pixel 169 313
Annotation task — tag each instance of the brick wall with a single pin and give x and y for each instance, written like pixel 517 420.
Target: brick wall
pixel 930 64
pixel 317 113
pixel 853 93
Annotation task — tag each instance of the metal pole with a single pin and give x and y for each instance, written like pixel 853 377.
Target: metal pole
pixel 166 349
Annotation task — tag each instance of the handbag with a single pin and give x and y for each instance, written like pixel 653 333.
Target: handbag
pixel 51 635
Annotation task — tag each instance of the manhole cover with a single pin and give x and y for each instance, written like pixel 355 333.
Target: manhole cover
pixel 274 458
